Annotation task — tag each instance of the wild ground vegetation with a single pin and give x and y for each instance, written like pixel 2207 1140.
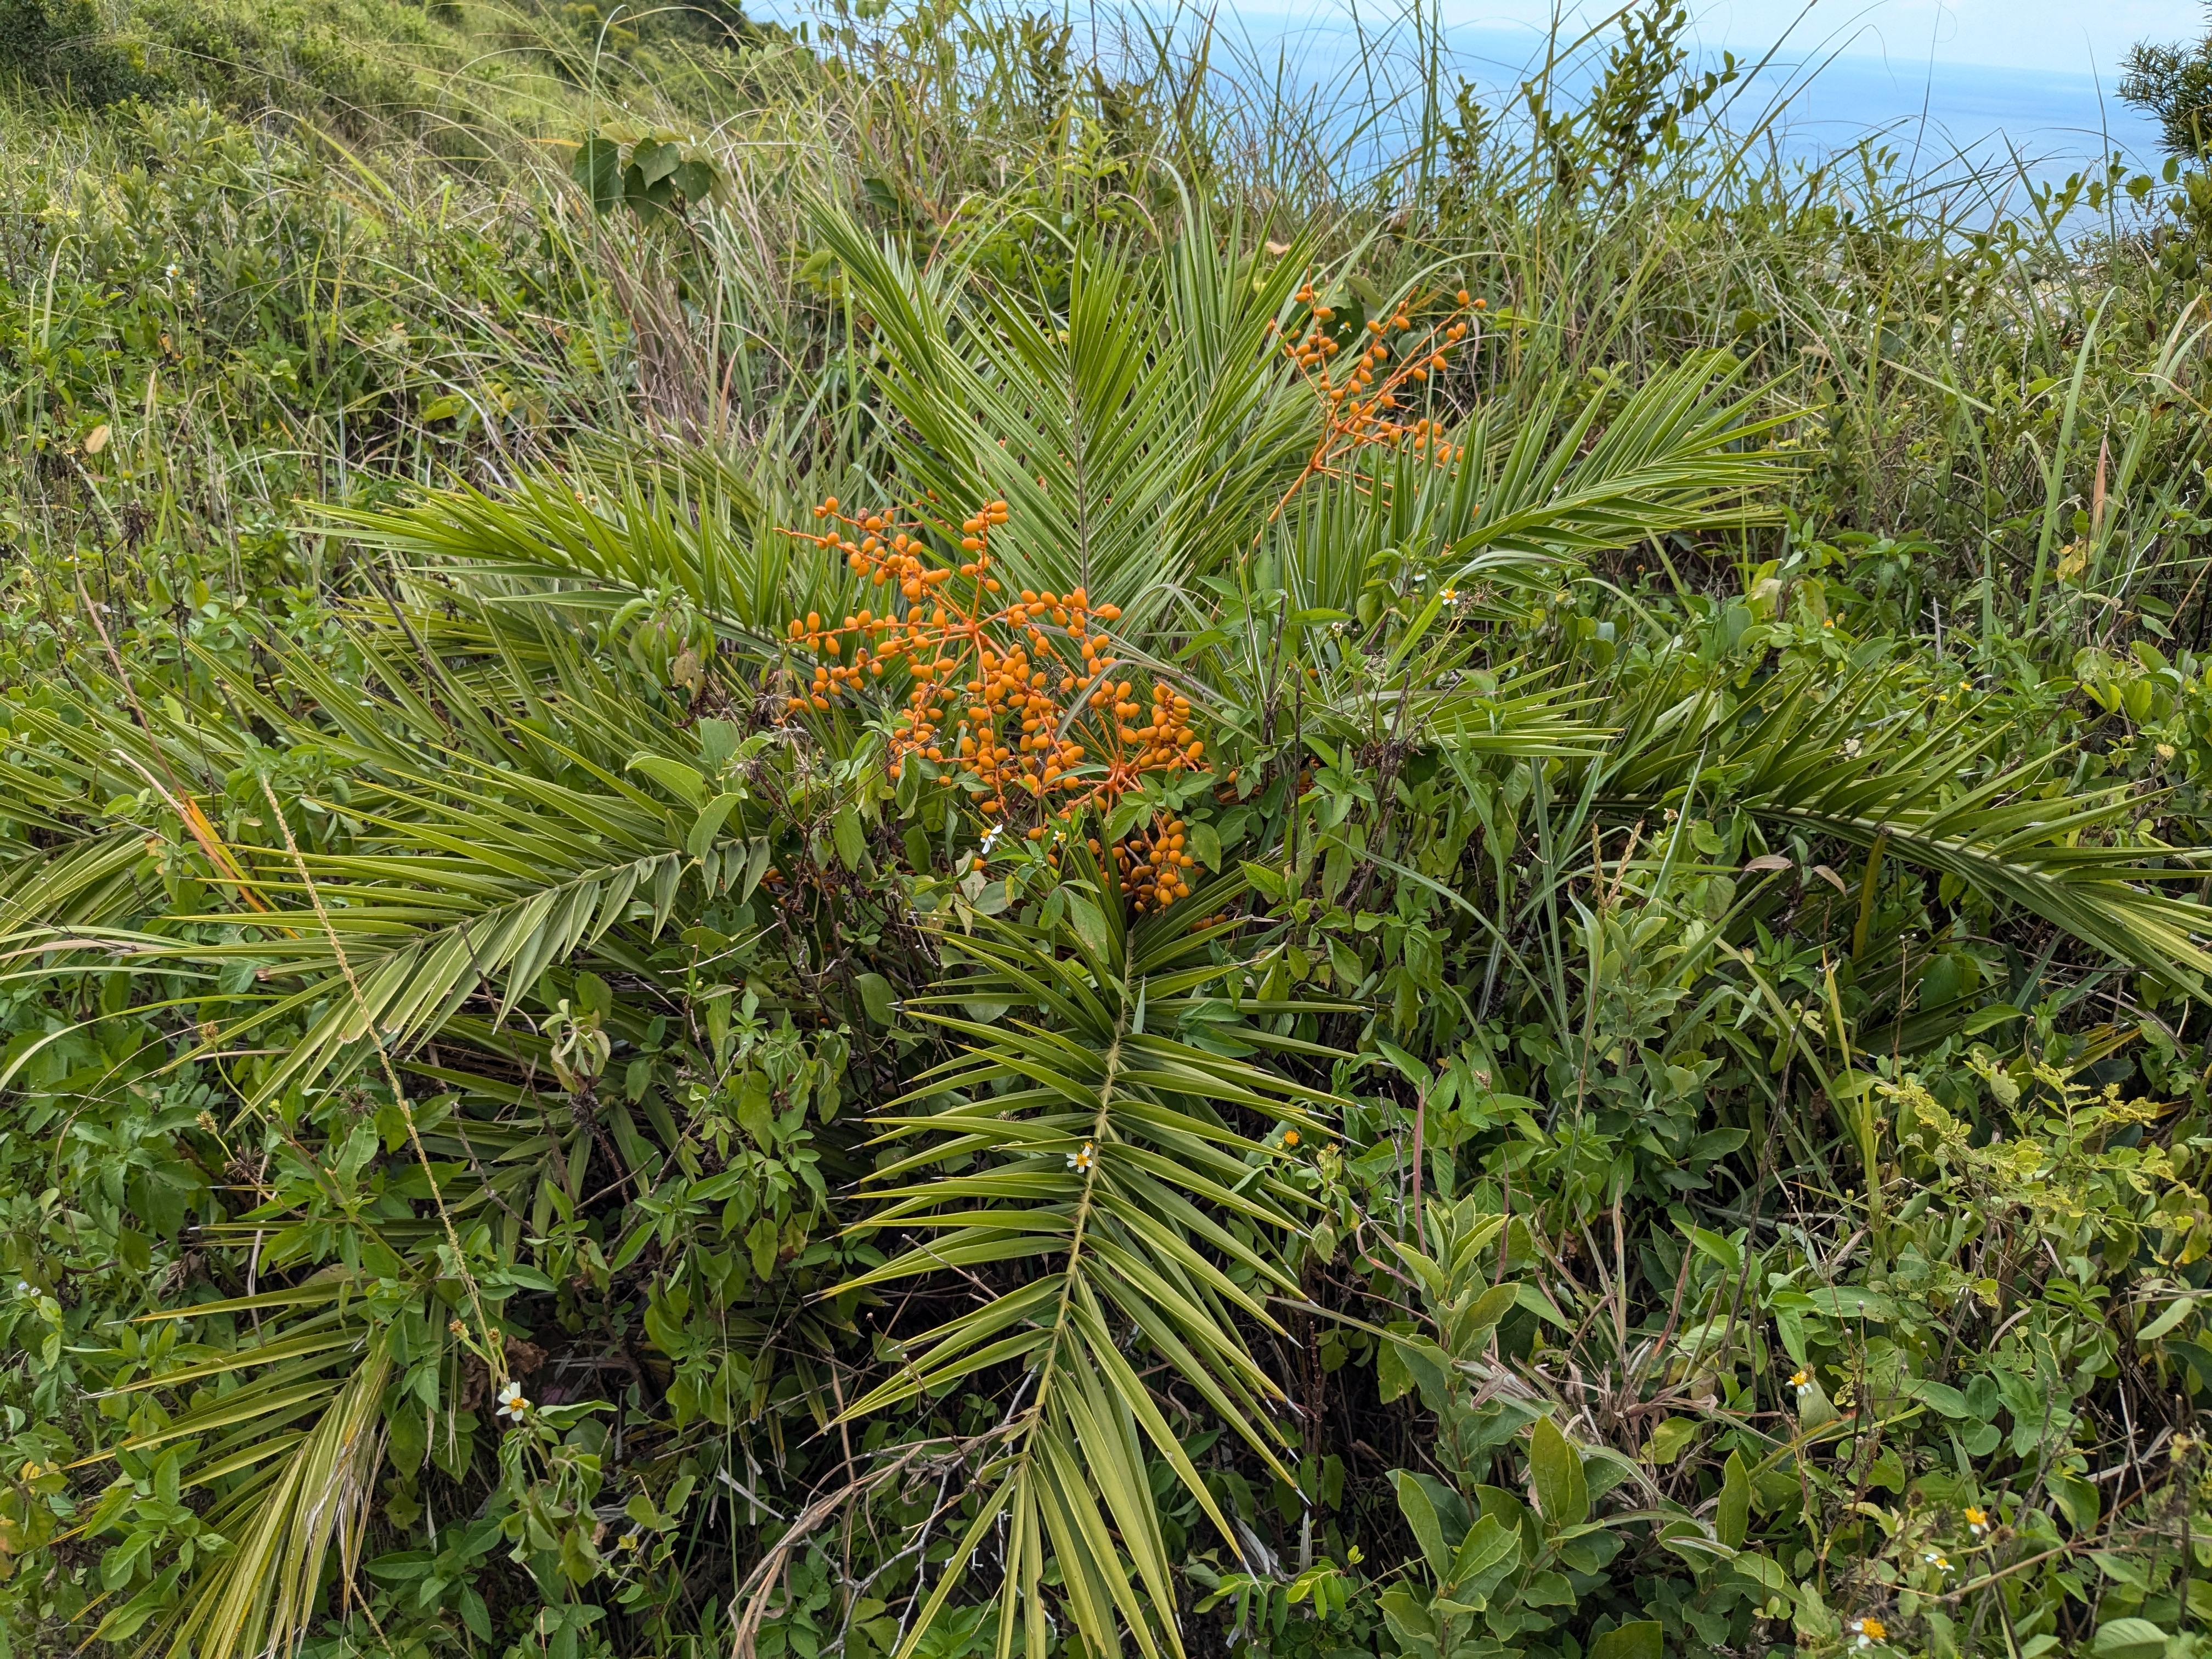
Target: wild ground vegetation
pixel 927 841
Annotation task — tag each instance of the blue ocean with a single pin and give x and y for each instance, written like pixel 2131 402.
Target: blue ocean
pixel 1932 116
pixel 1358 77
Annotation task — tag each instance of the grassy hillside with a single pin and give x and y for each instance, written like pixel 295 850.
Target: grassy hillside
pixel 921 839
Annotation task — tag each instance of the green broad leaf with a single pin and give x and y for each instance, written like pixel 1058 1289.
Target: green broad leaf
pixel 2128 1638
pixel 1205 843
pixel 632 1247
pixel 1489 1549
pixel 877 998
pixel 852 841
pixel 1721 1250
pixel 709 823
pixel 2078 1498
pixel 653 159
pixel 1527 1295
pixel 1472 1328
pixel 1421 1520
pixel 1765 1572
pixel 1411 1069
pixel 598 169
pixel 1125 814
pixel 1937 1396
pixel 1813 1405
pixel 2174 1313
pixel 1714 1144
pixel 1269 883
pixel 1851 1302
pixel 1090 926
pixel 756 862
pixel 1555 1470
pixel 695 179
pixel 1670 1440
pixel 2195 1356
pixel 1732 1512
pixel 757 1113
pixel 1547 1590
pixel 718 741
pixel 685 782
pixel 1643 1639
pixel 579 1560
pixel 761 1238
pixel 1393 1380
pixel 1791 1328
pixel 1410 1621
pixel 1425 1366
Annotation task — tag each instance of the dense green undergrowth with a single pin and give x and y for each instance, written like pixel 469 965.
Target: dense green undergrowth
pixel 1591 1043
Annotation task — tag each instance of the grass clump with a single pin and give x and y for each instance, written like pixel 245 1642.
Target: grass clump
pixel 939 838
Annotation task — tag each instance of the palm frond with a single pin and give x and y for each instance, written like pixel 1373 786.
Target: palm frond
pixel 1117 1178
pixel 284 1495
pixel 1834 760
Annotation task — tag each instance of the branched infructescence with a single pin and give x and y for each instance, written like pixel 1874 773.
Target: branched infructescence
pixel 1012 698
pixel 1153 866
pixel 1358 411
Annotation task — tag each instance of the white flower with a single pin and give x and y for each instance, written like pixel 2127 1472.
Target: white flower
pixel 1082 1161
pixel 991 840
pixel 1938 1560
pixel 1802 1380
pixel 1869 1630
pixel 511 1403
pixel 174 271
pixel 1851 749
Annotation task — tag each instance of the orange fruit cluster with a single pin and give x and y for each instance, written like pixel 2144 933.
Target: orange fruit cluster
pixel 1360 409
pixel 1154 868
pixel 1015 693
